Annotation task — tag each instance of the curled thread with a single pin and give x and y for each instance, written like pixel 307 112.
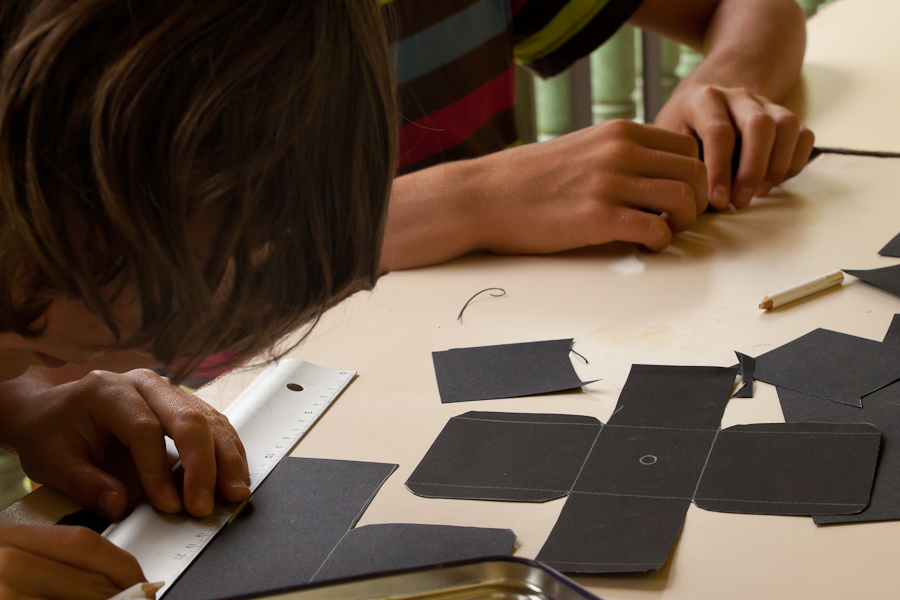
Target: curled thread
pixel 502 293
pixel 580 356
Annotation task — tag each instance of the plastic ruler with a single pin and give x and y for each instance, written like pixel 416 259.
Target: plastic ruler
pixel 270 416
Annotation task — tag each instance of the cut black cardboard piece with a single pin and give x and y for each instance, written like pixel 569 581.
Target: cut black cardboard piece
pixel 881 409
pixel 505 371
pixel 892 248
pixel 747 368
pixel 301 516
pixel 283 536
pixel 831 365
pixel 886 278
pixel 505 456
pixel 790 469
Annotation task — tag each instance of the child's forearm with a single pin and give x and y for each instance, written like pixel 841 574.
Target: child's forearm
pixel 753 44
pixel 431 214
pixel 758 45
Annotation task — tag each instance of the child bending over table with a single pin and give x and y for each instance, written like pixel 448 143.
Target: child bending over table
pixel 178 178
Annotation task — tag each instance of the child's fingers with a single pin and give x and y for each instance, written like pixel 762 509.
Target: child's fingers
pixel 787 135
pixel 91 560
pixel 758 132
pixel 188 427
pixel 674 167
pixel 232 472
pixel 139 427
pixel 643 228
pixel 675 200
pixel 198 457
pixel 90 486
pixel 37 576
pixel 802 152
pixel 209 447
pixel 657 138
pixel 710 119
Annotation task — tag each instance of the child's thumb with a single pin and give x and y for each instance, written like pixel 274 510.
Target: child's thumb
pixel 94 489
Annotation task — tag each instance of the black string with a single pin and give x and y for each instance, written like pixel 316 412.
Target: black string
pixel 502 293
pixel 581 357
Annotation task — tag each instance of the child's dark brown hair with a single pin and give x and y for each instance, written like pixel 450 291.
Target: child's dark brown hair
pixel 229 160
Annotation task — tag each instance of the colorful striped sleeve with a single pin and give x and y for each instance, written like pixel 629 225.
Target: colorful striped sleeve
pixel 550 35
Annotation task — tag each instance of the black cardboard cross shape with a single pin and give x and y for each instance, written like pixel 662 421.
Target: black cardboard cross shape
pixel 661 449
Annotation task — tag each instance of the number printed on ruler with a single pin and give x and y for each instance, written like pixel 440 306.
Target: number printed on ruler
pixel 212 525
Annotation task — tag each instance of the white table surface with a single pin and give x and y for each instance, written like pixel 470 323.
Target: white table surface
pixel 850 88
pixel 692 304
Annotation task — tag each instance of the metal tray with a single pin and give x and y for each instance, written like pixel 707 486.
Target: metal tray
pixel 503 578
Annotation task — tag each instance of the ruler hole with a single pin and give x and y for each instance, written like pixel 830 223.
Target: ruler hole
pixel 295 387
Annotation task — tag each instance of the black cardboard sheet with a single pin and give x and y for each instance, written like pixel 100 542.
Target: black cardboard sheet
pixel 886 278
pixel 388 547
pixel 831 365
pixel 881 409
pixel 892 248
pixel 86 518
pixel 287 530
pixel 790 469
pixel 506 371
pixel 505 456
pixel 747 368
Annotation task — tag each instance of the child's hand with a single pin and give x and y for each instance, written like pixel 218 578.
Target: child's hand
pixel 618 181
pixel 775 146
pixel 63 435
pixel 62 563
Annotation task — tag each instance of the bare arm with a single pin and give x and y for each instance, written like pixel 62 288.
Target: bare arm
pixel 626 182
pixel 614 181
pixel 431 217
pixel 755 44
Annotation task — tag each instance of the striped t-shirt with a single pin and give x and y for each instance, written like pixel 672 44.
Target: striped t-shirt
pixel 454 65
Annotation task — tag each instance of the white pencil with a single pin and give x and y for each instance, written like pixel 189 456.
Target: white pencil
pixel 803 290
pixel 140 591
